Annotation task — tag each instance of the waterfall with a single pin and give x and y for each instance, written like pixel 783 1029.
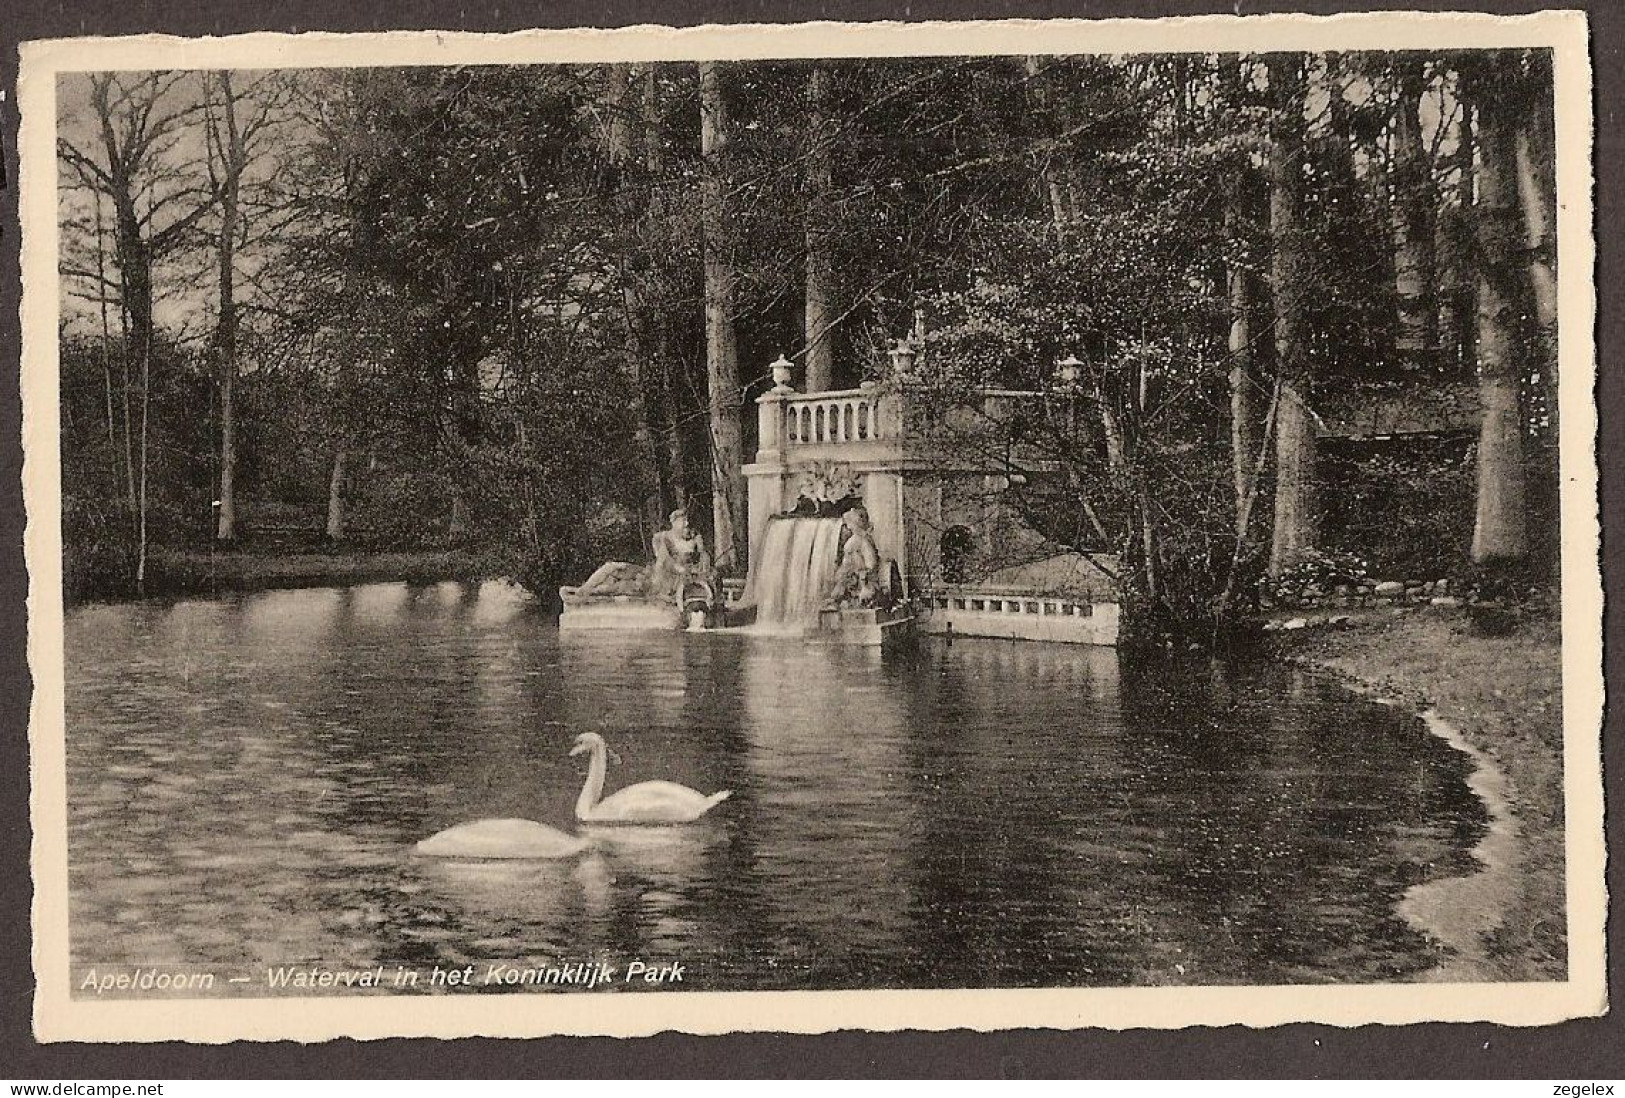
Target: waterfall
pixel 797 564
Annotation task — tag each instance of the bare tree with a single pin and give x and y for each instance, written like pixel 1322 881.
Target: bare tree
pixel 133 162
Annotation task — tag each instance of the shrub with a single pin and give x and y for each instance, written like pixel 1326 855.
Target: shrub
pixel 1317 568
pixel 96 548
pixel 1405 505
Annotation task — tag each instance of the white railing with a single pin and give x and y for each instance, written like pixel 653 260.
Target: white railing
pixel 851 415
pixel 990 601
pixel 972 611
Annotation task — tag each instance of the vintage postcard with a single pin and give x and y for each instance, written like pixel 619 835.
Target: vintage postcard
pixel 953 525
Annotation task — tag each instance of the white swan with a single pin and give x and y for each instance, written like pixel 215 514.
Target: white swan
pixel 643 803
pixel 502 839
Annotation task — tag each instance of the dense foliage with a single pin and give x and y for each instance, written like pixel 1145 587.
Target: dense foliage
pixel 468 304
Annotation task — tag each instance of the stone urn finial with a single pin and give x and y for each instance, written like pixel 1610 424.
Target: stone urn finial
pixel 781 375
pixel 903 355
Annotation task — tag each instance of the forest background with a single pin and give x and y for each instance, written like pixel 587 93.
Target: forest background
pixel 521 313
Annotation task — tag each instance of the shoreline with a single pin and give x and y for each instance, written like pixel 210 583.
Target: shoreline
pixel 192 572
pixel 1463 912
pixel 1497 700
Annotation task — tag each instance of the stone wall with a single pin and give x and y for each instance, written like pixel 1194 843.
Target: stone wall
pixel 1365 593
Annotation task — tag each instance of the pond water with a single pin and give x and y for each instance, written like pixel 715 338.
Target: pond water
pixel 248 775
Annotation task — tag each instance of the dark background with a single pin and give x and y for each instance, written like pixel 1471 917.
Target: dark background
pixel 1574 1051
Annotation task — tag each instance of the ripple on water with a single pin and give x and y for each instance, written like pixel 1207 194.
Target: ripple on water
pixel 1010 814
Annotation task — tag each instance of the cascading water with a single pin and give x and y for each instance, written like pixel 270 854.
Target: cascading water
pixel 788 584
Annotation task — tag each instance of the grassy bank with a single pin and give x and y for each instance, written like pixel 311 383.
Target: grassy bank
pixel 200 572
pixel 1504 697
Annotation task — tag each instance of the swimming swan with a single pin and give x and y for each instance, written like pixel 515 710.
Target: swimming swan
pixel 502 839
pixel 643 803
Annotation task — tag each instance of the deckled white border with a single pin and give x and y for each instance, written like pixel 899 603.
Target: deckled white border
pixel 57 1017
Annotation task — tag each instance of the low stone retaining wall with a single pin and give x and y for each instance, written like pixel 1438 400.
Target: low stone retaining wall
pixel 1016 615
pixel 1365 593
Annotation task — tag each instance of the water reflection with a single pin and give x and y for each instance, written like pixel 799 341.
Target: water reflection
pixel 378 605
pixel 248 775
pixel 521 903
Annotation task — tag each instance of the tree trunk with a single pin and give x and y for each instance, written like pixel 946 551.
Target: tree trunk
pixel 1296 519
pixel 135 270
pixel 106 347
pixel 1296 508
pixel 126 355
pixel 1112 430
pixel 335 498
pixel 1238 280
pixel 1417 332
pixel 457 527
pixel 1232 578
pixel 640 356
pixel 141 496
pixel 228 143
pixel 1052 174
pixel 1535 193
pixel 135 294
pixel 226 530
pixel 670 370
pixel 721 351
pixel 1536 157
pixel 1456 278
pixel 1499 528
pixel 1339 160
pixel 466 434
pixel 654 138
pixel 618 130
pixel 819 233
pixel 1242 416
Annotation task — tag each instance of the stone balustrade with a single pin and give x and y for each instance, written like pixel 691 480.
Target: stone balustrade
pixel 850 415
pixel 846 422
pixel 789 421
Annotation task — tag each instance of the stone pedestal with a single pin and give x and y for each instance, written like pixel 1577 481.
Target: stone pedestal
pixel 622 613
pixel 864 627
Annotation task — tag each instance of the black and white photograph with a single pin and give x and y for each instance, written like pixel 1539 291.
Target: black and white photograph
pixel 974 525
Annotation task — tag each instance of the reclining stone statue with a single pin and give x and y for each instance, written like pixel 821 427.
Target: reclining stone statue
pixel 681 574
